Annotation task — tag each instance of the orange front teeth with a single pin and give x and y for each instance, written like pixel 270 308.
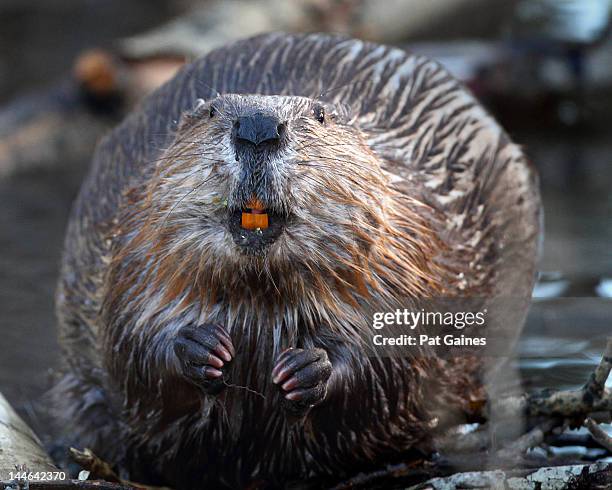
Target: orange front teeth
pixel 255 217
pixel 252 221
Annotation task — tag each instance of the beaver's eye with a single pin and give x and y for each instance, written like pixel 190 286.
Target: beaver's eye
pixel 212 112
pixel 319 113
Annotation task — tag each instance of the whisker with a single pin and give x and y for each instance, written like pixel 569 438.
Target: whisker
pixel 338 87
pixel 214 91
pixel 163 224
pixel 347 162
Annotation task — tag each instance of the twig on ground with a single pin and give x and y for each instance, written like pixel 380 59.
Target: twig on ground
pixel 597 382
pixel 409 473
pixel 572 404
pixel 100 469
pixel 600 435
pixel 461 439
pixel 97 468
pixel 534 437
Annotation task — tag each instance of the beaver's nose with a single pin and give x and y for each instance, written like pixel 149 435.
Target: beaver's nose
pixel 257 129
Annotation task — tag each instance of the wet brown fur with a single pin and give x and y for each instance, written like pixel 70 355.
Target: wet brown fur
pixel 147 252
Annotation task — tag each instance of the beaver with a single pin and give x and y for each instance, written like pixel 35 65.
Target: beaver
pixel 235 231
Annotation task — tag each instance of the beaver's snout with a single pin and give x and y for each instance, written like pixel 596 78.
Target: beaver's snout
pixel 258 129
pixel 257 135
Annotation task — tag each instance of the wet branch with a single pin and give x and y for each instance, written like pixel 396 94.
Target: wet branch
pixel 593 397
pixel 600 435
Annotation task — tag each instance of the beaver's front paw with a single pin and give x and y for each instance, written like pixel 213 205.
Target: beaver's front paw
pixel 203 352
pixel 302 376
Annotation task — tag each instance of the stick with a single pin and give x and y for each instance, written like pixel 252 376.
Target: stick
pixel 593 397
pixel 533 438
pixel 595 386
pixel 600 435
pixel 101 470
pixel 408 473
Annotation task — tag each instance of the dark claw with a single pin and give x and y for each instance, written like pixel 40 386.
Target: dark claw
pixel 226 341
pixel 293 360
pixel 302 375
pixel 203 352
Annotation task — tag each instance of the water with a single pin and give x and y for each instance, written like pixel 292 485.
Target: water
pixel 568 325
pixel 34 214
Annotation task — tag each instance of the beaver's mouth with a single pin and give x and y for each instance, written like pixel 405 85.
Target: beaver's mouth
pixel 254 229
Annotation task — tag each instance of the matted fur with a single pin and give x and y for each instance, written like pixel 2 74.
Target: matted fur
pixel 408 190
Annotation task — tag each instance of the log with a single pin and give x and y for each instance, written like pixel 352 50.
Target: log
pixel 60 126
pixel 19 446
pixel 391 22
pixel 595 476
pixel 21 452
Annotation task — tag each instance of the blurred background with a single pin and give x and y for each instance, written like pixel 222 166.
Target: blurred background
pixel 70 69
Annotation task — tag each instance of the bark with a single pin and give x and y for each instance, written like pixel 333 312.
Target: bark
pixel 19 446
pixel 596 476
pixel 600 435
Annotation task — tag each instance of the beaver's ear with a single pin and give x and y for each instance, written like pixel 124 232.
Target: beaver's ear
pixel 200 109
